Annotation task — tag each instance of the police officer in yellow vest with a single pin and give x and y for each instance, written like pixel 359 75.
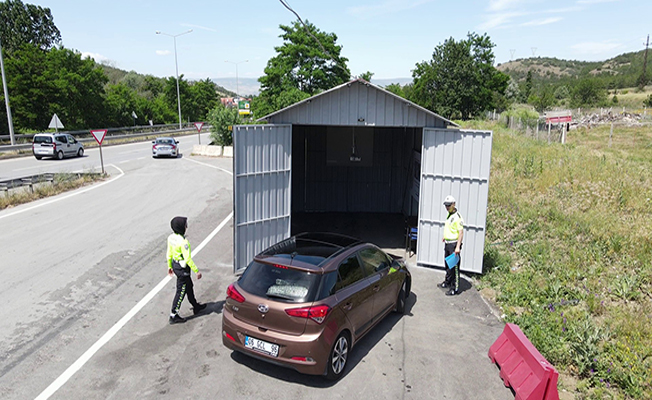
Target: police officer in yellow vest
pixel 453 234
pixel 180 263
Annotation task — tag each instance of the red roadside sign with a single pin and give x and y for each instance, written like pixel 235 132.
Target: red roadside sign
pixel 99 134
pixel 557 120
pixel 198 125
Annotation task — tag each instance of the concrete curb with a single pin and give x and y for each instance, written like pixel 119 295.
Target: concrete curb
pixel 212 151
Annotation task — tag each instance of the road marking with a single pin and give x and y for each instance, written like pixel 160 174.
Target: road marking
pixel 208 165
pixel 68 196
pixel 141 158
pixel 76 366
pixel 122 162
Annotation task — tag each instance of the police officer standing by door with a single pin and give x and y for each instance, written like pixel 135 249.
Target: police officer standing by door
pixel 453 234
pixel 180 263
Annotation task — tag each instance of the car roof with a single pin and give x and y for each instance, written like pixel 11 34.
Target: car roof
pixel 308 250
pixel 164 137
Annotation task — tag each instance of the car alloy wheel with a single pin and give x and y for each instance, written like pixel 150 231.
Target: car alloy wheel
pixel 338 358
pixel 80 153
pixel 60 155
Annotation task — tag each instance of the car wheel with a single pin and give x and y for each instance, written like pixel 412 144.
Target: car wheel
pixel 402 297
pixel 80 153
pixel 59 155
pixel 38 157
pixel 339 356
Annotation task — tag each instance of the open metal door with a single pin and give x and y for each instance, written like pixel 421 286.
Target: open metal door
pixel 262 160
pixel 455 162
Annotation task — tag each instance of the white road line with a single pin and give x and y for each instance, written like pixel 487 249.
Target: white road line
pixel 208 165
pixel 76 366
pixel 122 162
pixel 141 158
pixel 68 196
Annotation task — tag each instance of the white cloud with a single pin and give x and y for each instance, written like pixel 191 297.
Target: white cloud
pixel 200 27
pixel 594 48
pixel 163 52
pixel 500 5
pixel 386 7
pixel 595 1
pixel 97 57
pixel 499 20
pixel 540 22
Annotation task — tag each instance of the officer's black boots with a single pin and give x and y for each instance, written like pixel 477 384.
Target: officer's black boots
pixel 177 319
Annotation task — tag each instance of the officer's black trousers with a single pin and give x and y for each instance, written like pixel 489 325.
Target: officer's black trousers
pixel 184 287
pixel 452 274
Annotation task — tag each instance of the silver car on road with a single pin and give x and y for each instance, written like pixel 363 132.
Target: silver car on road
pixel 165 146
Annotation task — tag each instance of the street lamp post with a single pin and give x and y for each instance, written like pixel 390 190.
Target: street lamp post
pixel 4 85
pixel 176 65
pixel 237 88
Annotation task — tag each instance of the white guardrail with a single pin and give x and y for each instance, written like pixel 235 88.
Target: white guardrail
pixel 117 135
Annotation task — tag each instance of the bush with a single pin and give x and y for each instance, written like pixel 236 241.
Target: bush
pixel 648 102
pixel 222 120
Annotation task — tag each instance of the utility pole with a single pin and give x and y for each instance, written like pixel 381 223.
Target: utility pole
pixel 4 85
pixel 512 51
pixel 643 79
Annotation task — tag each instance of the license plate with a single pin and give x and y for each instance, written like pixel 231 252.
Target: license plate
pixel 261 346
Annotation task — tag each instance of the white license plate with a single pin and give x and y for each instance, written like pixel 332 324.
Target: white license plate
pixel 261 346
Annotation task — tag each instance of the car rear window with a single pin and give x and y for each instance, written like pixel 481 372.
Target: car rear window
pixel 42 139
pixel 164 141
pixel 280 283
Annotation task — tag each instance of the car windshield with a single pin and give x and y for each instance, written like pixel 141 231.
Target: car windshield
pixel 279 282
pixel 165 141
pixel 42 139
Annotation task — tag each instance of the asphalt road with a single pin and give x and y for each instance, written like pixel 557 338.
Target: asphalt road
pixel 77 264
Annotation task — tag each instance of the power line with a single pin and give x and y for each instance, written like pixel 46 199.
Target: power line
pixel 305 27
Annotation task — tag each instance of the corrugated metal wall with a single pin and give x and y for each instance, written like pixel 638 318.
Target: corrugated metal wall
pixel 262 187
pixel 358 104
pixel 379 188
pixel 455 162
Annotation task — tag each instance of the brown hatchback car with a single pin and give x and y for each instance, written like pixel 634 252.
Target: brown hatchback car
pixel 305 302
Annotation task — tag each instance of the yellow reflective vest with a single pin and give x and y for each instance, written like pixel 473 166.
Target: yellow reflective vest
pixel 179 250
pixel 453 226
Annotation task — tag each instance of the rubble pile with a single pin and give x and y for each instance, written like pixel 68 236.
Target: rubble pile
pixel 621 118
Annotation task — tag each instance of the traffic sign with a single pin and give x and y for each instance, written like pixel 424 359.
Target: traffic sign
pixel 55 123
pixel 99 134
pixel 198 125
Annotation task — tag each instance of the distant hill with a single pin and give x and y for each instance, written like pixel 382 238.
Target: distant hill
pixel 251 86
pixel 618 72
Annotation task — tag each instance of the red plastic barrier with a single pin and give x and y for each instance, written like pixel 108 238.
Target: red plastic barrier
pixel 522 366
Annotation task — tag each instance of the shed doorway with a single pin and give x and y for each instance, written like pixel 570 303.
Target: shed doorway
pixel 356 180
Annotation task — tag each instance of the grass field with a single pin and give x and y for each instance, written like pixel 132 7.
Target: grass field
pixel 569 251
pixel 631 98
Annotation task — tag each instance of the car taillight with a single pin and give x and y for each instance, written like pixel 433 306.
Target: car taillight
pixel 54 146
pixel 316 313
pixel 232 293
pixel 229 336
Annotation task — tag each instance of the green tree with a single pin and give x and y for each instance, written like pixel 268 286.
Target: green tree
pixel 170 93
pixel 26 24
pixel 648 102
pixel 588 92
pixel 366 76
pixel 308 60
pixel 58 81
pixel 222 120
pixel 527 87
pixel 460 79
pixel 543 99
pixel 204 98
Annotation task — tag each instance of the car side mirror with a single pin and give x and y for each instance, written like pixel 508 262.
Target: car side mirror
pixel 176 141
pixel 153 141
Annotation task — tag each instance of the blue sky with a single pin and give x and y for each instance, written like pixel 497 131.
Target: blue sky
pixel 386 37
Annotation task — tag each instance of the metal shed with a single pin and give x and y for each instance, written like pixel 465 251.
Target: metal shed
pixel 358 148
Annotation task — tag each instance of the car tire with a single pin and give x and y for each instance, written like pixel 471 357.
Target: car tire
pixel 59 155
pixel 338 357
pixel 402 298
pixel 38 157
pixel 80 153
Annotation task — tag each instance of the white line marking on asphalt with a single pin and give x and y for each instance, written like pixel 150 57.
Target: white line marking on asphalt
pixel 141 158
pixel 76 366
pixel 122 162
pixel 68 196
pixel 208 165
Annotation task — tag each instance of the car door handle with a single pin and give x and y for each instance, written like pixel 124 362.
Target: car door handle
pixel 376 288
pixel 348 306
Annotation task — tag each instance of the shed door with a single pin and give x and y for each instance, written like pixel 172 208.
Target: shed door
pixel 454 162
pixel 262 159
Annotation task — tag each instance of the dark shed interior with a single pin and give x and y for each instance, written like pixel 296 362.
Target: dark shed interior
pixel 360 181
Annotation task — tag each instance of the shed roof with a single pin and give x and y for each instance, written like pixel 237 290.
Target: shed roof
pixel 357 103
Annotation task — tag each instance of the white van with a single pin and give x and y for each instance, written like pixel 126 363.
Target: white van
pixel 56 145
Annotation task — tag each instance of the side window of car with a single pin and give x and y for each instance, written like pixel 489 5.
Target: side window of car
pixel 348 272
pixel 328 285
pixel 61 139
pixel 373 260
pixel 71 140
